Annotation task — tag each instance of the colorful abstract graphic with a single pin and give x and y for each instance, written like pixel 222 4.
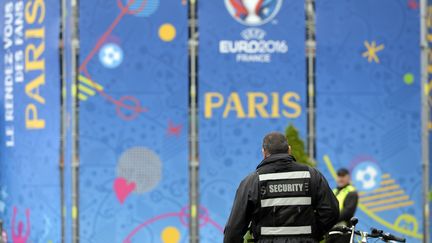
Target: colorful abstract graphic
pixel 253 12
pixel 368 107
pixel 133 109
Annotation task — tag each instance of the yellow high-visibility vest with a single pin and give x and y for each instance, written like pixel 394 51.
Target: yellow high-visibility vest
pixel 342 194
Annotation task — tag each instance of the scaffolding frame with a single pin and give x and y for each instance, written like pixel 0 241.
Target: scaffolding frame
pixel 310 77
pixel 425 113
pixel 193 125
pixel 75 48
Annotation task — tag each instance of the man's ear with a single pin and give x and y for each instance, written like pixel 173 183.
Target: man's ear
pixel 289 149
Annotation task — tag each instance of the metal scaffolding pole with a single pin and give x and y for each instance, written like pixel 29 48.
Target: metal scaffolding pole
pixel 75 121
pixel 193 123
pixel 63 100
pixel 310 76
pixel 425 50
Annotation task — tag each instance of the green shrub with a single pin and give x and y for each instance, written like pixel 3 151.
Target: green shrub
pixel 297 146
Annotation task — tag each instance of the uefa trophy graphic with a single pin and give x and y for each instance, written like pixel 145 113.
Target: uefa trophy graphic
pixel 251 8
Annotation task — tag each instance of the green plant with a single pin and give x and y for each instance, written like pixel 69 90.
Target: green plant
pixel 297 146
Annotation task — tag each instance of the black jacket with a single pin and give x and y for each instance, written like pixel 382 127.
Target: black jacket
pixel 247 201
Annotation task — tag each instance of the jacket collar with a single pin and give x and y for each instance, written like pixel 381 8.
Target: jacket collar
pixel 276 158
pixel 341 188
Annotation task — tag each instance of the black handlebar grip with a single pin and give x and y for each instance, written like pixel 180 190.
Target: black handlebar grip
pixel 354 221
pixel 394 238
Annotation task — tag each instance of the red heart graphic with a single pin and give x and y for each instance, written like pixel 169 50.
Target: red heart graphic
pixel 122 188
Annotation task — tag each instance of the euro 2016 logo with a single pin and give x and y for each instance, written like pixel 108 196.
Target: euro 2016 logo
pixel 254 47
pixel 253 12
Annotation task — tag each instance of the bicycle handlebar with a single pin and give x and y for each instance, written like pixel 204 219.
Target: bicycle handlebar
pixel 375 233
pixel 343 229
pixel 388 236
pixel 385 236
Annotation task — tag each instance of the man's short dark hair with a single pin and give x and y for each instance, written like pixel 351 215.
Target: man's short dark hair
pixel 275 143
pixel 343 172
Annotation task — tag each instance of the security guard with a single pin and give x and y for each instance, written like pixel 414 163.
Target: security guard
pixel 348 199
pixel 283 200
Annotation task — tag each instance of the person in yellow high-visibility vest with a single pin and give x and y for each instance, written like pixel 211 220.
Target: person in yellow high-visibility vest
pixel 348 199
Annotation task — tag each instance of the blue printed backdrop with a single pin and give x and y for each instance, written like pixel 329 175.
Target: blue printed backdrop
pixel 133 121
pixel 248 54
pixel 29 158
pixel 368 107
pixel 133 112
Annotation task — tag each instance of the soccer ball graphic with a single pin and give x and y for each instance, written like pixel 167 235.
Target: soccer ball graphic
pixel 367 176
pixel 111 55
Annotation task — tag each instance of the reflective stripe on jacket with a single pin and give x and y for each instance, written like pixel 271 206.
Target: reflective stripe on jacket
pixel 285 201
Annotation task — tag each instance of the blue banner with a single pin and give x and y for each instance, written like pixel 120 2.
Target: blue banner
pixel 30 120
pixel 133 92
pixel 368 107
pixel 251 82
